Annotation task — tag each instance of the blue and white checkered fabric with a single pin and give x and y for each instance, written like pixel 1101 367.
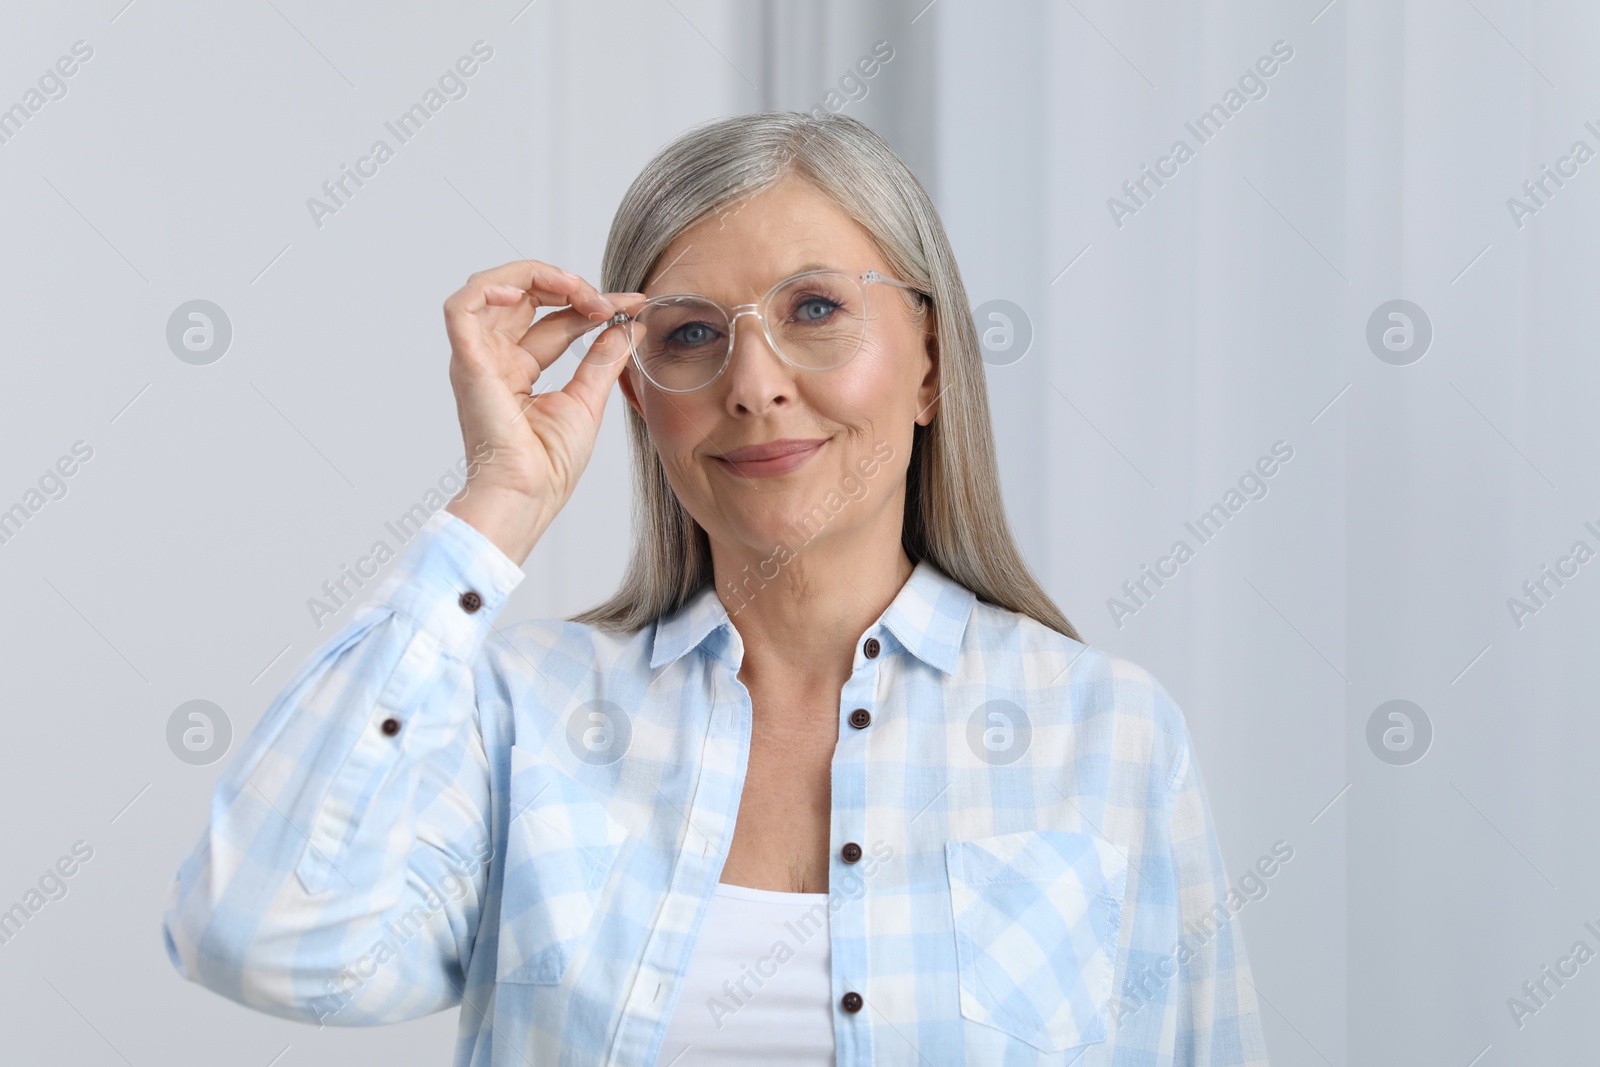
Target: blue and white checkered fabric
pixel 539 839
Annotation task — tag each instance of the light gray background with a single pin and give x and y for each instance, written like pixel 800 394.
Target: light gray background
pixel 1169 353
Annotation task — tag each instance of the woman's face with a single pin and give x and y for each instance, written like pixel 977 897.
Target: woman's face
pixel 860 415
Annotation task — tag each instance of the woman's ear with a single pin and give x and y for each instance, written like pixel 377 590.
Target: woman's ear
pixel 626 383
pixel 928 391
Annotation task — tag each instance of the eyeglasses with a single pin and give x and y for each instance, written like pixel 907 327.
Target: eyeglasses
pixel 814 320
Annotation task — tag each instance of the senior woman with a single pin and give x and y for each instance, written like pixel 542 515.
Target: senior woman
pixel 830 778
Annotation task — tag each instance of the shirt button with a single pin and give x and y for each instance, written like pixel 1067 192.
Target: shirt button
pixel 471 601
pixel 860 718
pixel 391 726
pixel 851 852
pixel 871 648
pixel 851 1002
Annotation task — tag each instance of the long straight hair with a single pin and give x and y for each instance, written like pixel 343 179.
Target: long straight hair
pixel 954 514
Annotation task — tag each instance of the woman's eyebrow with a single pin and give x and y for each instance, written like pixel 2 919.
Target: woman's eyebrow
pixel 802 269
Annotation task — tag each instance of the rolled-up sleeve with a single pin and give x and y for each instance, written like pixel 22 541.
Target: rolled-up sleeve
pixel 342 874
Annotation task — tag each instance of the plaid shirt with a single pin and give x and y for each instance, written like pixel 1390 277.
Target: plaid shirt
pixel 529 821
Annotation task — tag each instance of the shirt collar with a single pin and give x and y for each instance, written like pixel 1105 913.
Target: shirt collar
pixel 928 618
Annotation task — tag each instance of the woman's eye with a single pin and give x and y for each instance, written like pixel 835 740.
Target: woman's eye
pixel 816 308
pixel 693 333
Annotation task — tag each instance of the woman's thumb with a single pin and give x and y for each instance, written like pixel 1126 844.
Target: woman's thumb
pixel 602 365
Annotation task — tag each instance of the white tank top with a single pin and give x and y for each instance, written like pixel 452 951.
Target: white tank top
pixel 759 988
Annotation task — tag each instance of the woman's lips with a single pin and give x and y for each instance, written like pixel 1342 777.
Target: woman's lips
pixel 773 458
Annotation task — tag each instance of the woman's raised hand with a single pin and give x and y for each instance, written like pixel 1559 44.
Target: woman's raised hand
pixel 527 451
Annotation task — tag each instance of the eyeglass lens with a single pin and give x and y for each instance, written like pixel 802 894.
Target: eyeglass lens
pixel 817 321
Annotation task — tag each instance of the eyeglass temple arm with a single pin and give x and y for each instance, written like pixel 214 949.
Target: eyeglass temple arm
pixel 873 276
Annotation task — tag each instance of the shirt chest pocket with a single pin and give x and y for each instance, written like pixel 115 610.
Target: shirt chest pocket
pixel 561 846
pixel 1037 916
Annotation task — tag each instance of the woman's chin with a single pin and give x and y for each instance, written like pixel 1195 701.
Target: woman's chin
pixel 786 526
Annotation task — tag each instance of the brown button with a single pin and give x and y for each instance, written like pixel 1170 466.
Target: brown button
pixel 471 601
pixel 851 852
pixel 860 718
pixel 391 726
pixel 871 648
pixel 851 1002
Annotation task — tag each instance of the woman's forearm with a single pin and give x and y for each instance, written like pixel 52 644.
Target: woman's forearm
pixel 356 814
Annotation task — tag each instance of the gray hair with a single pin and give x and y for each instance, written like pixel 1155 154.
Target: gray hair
pixel 954 513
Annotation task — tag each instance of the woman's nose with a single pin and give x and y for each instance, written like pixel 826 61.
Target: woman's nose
pixel 758 377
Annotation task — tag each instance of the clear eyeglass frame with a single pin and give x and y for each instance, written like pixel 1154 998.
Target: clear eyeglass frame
pixel 758 309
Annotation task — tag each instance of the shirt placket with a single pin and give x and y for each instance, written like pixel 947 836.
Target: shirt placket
pixel 848 841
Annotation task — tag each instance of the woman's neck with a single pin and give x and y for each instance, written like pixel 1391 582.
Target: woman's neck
pixel 801 611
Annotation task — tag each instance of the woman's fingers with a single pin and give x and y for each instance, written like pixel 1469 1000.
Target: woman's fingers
pixel 552 335
pixel 498 352
pixel 551 284
pixel 510 309
pixel 505 299
pixel 602 365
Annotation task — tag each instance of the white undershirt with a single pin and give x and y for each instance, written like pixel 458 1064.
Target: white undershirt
pixel 759 988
